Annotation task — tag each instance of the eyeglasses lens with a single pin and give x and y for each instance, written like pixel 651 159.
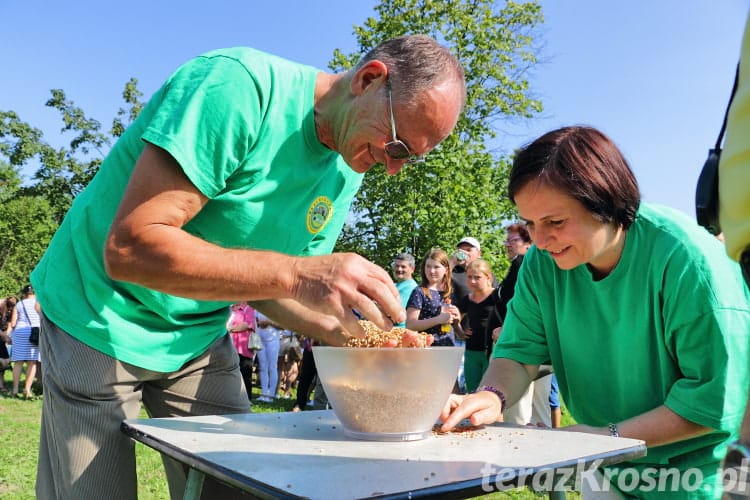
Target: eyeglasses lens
pixel 397 150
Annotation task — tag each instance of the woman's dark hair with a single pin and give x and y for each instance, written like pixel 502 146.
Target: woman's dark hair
pixel 521 229
pixel 584 163
pixel 27 290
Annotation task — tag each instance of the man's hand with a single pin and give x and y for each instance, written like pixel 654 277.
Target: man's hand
pixel 339 283
pixel 147 245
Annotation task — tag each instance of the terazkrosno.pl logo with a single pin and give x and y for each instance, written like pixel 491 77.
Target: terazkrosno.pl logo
pixel 628 479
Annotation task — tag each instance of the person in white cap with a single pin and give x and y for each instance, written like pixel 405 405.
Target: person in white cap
pixel 468 249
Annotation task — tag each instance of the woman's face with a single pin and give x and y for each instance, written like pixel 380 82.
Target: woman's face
pixel 561 225
pixel 477 280
pixel 434 271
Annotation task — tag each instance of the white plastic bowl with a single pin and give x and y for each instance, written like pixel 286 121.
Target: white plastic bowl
pixel 387 394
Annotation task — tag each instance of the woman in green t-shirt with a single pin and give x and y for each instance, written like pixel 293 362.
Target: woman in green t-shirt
pixel 644 318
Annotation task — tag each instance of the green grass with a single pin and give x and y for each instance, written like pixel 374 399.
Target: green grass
pixel 19 435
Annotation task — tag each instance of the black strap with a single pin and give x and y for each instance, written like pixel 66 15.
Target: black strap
pixel 726 113
pixel 26 313
pixel 707 189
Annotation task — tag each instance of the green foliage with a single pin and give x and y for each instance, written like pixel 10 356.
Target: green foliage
pixel 31 212
pixel 26 227
pixel 460 190
pixel 132 96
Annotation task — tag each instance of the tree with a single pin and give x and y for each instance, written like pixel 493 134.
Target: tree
pixel 460 189
pixel 26 227
pixel 30 213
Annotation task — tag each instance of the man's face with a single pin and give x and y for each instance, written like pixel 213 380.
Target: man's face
pixel 472 253
pixel 421 125
pixel 402 270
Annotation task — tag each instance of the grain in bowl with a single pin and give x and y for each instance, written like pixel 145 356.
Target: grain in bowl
pixel 387 393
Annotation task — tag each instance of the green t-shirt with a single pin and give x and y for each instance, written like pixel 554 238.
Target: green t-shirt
pixel 669 326
pixel 241 125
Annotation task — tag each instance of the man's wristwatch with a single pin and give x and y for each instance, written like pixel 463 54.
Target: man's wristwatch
pixel 738 453
pixel 613 430
pixel 736 466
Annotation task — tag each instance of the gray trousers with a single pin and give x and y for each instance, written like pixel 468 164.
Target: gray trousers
pixel 87 394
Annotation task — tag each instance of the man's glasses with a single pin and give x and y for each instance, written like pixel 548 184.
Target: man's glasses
pixel 396 149
pixel 512 240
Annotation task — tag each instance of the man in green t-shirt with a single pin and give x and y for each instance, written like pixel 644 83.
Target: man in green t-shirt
pixel 233 184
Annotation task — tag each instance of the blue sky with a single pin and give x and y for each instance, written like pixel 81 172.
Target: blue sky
pixel 654 75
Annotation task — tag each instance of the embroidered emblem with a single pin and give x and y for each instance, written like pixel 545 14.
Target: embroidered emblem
pixel 319 214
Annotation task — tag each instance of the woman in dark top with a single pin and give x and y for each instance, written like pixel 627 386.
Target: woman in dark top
pixel 517 243
pixel 481 317
pixel 546 409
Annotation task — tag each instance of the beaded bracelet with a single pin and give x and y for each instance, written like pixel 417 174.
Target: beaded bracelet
pixel 494 390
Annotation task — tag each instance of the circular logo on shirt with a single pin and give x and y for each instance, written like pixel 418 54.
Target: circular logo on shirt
pixel 319 213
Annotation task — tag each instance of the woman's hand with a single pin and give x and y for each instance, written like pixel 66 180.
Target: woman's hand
pixel 445 317
pixel 240 327
pixel 455 313
pixel 496 333
pixel 264 323
pixel 483 407
pixel 467 332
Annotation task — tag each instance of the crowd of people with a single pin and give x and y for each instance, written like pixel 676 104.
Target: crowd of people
pixel 268 354
pixel 181 238
pixel 460 303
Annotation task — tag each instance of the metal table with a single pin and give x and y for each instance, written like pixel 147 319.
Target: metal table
pixel 306 454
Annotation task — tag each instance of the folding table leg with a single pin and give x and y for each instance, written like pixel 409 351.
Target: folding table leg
pixel 194 485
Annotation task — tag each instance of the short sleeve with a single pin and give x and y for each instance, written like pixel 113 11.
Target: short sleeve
pixel 208 116
pixel 416 299
pixel 711 371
